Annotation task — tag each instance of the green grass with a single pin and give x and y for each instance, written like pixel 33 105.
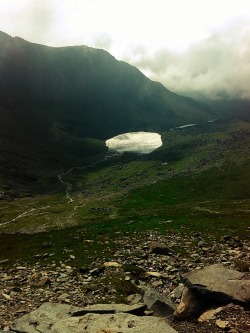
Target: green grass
pixel 210 185
pixel 197 181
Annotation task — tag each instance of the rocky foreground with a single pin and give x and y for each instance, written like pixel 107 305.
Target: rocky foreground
pixel 170 283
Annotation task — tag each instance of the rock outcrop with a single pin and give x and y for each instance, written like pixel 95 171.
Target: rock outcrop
pixel 159 305
pixel 121 322
pixel 57 318
pixel 25 287
pixel 221 284
pixel 212 284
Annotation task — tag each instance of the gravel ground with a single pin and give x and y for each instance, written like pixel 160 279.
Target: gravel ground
pixel 24 287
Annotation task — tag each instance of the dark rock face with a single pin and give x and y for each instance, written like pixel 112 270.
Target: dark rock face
pixel 97 90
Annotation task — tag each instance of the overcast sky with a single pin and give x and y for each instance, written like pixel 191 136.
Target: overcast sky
pixel 191 46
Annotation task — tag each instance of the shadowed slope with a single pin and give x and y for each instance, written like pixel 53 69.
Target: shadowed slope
pixel 54 97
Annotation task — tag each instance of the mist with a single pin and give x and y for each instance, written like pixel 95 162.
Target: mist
pixel 198 49
pixel 216 68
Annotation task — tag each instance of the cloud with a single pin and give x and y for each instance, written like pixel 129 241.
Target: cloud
pixel 217 67
pixel 191 48
pixel 32 20
pixel 103 41
pixel 40 20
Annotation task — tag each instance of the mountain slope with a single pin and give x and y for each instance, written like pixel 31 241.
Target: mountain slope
pixel 56 97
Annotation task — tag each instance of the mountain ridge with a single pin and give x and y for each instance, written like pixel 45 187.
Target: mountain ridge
pixel 79 92
pixel 24 61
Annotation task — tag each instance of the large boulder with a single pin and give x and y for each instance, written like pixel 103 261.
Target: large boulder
pixel 57 318
pixel 219 284
pixel 41 319
pixel 112 323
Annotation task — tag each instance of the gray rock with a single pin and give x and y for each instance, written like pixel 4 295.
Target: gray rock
pixel 215 248
pixel 189 305
pixel 47 244
pixel 4 261
pixel 136 309
pixel 220 284
pixel 63 297
pixel 97 271
pixel 177 292
pixel 202 244
pixel 159 248
pixel 161 306
pixel 41 319
pixel 57 318
pixel 111 323
pixel 134 298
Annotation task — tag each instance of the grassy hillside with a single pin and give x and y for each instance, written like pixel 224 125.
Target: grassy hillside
pixel 197 181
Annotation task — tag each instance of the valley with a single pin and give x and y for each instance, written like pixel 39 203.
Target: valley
pixel 82 224
pixel 198 179
pixel 88 240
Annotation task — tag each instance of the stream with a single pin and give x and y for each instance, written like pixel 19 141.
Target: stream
pixel 26 213
pixel 69 185
pixel 136 142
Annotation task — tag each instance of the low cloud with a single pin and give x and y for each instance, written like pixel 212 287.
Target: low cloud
pixel 218 67
pixel 102 41
pixel 31 20
pixel 215 67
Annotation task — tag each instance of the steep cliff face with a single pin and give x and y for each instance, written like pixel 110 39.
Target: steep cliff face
pixel 55 95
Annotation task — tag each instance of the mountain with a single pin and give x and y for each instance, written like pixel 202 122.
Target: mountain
pixel 57 105
pixel 231 108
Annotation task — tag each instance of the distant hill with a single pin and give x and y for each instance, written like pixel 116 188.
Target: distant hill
pixel 231 108
pixel 56 103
